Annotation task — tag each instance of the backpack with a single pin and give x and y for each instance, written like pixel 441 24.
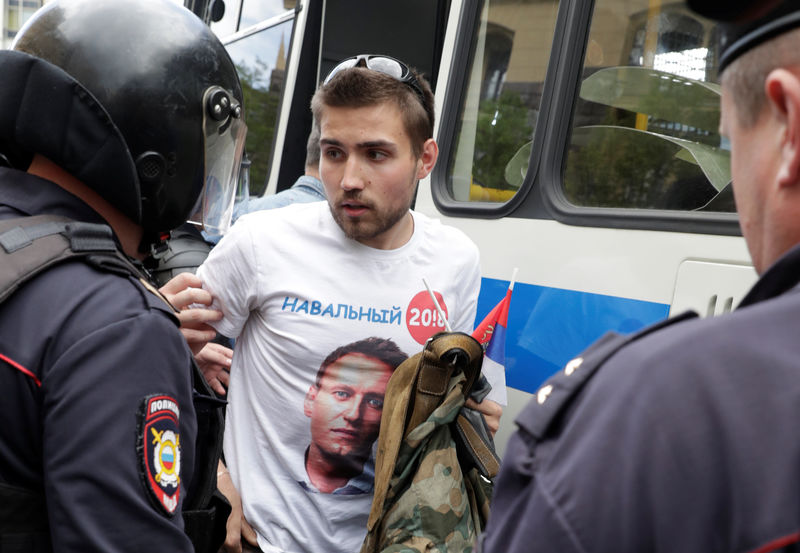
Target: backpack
pixel 434 461
pixel 32 244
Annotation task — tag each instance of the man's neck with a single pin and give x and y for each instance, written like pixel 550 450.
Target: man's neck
pixel 320 470
pixel 395 237
pixel 128 232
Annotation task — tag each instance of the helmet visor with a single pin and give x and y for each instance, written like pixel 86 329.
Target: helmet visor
pixel 225 132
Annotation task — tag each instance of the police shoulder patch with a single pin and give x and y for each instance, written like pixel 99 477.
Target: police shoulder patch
pixel 158 448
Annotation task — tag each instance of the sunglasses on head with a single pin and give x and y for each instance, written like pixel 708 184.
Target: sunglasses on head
pixel 382 64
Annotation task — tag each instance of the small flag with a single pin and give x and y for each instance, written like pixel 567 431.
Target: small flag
pixel 491 333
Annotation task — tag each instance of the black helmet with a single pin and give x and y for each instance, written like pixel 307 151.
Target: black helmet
pixel 183 252
pixel 136 98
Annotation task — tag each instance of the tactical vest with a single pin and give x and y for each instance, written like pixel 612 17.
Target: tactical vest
pixel 30 245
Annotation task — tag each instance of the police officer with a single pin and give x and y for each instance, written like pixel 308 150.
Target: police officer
pixel 683 438
pixel 119 118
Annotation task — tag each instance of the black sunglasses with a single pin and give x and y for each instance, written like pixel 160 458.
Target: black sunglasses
pixel 382 64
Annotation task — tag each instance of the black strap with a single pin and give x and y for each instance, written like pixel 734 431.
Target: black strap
pixel 23 521
pixel 57 239
pixel 21 510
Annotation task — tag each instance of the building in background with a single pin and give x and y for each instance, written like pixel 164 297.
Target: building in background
pixel 13 15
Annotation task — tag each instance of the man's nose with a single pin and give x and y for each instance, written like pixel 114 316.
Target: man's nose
pixel 353 176
pixel 353 412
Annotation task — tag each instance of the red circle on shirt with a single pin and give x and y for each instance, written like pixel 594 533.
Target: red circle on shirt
pixel 422 317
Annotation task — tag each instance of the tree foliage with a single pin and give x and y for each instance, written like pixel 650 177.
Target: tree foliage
pixel 261 102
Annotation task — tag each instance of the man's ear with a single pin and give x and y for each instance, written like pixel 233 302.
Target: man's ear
pixel 430 152
pixel 782 88
pixel 311 395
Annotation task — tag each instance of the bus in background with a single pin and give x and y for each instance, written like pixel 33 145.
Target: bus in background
pixel 578 143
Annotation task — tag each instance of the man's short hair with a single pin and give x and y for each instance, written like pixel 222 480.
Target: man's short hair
pixel 745 76
pixel 382 349
pixel 359 87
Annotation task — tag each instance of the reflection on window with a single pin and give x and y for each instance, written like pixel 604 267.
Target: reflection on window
pixel 261 62
pixel 645 129
pixel 254 11
pixel 241 14
pixel 504 92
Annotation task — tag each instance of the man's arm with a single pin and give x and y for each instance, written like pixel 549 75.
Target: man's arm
pixel 491 411
pixel 237 527
pixel 116 464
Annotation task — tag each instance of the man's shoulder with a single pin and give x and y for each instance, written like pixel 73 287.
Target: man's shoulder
pixel 445 236
pixel 752 332
pixel 73 300
pixel 277 225
pixel 119 295
pixel 681 364
pixel 669 405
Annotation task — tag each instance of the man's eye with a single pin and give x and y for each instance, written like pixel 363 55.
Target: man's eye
pixel 376 155
pixel 376 403
pixel 333 154
pixel 340 394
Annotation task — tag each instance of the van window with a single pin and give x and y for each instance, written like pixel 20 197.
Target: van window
pixel 239 15
pixel 510 54
pixel 645 126
pixel 260 59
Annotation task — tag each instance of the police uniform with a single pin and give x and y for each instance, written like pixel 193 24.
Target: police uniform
pixel 97 413
pixel 681 438
pixel 109 437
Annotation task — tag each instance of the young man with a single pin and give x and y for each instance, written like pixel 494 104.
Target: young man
pixel 344 405
pixel 100 443
pixel 682 437
pixel 297 282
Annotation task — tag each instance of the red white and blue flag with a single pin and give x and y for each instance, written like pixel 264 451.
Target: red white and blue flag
pixel 491 333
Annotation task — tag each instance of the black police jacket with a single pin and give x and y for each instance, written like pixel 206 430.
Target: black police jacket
pixel 680 439
pixel 97 416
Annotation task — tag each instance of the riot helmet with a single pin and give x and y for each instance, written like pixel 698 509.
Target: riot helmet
pixel 136 98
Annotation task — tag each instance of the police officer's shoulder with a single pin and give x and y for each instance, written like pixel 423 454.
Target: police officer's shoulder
pixel 155 300
pixel 601 360
pixel 98 296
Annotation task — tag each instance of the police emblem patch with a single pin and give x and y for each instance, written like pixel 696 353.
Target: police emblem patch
pixel 158 447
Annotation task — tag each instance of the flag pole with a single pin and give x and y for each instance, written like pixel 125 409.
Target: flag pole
pixel 436 304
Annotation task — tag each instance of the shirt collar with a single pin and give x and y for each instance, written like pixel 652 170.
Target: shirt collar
pixel 782 276
pixel 360 484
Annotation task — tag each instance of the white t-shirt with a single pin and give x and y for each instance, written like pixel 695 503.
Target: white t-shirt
pixel 292 289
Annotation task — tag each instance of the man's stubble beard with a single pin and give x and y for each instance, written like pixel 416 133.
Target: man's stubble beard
pixel 379 222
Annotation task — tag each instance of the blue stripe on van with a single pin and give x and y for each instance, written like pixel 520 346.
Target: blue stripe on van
pixel 549 326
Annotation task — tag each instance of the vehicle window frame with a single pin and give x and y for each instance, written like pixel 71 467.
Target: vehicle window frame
pixel 461 62
pixel 255 29
pixel 541 195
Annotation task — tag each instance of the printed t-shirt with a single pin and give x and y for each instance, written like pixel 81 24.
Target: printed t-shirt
pixel 292 289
